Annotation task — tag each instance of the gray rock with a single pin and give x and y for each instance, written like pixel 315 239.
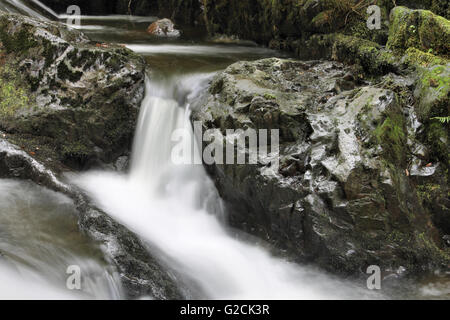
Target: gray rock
pixel 78 104
pixel 342 197
pixel 141 274
pixel 164 28
pixel 77 101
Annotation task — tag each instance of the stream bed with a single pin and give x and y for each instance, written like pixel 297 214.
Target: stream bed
pixel 175 208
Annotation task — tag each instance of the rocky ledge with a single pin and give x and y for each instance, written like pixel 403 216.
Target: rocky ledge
pixel 352 186
pixel 65 98
pixel 67 104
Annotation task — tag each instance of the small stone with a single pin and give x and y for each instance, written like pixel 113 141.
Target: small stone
pixel 163 28
pixel 446 239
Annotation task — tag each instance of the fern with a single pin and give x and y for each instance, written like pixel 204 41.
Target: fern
pixel 442 119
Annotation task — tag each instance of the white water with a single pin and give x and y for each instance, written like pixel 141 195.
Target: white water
pixel 18 6
pixel 39 240
pixel 200 50
pixel 177 209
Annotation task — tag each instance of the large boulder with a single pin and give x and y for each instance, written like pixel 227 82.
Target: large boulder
pixel 420 29
pixel 344 195
pixel 65 98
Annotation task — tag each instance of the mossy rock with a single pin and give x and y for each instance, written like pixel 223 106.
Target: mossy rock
pixel 371 56
pixel 420 29
pixel 75 102
pixel 14 93
pixel 416 57
pixel 433 91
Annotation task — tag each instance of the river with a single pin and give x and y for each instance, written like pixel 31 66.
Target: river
pixel 175 208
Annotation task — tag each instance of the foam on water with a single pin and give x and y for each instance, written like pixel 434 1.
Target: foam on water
pixel 177 209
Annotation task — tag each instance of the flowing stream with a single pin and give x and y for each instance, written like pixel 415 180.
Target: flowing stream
pixel 175 208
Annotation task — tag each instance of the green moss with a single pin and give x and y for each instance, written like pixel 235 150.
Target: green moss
pixel 19 42
pixel 432 248
pixel 392 137
pixel 433 92
pixel 75 150
pixel 427 192
pixel 419 29
pixel 368 54
pixel 435 78
pixel 14 95
pixel 269 96
pixel 414 56
pixel 436 137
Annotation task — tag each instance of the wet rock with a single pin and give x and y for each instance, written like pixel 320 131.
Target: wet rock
pixel 141 274
pixel 446 238
pixel 341 196
pixel 164 28
pixel 225 39
pixel 71 104
pixel 76 102
pixel 122 163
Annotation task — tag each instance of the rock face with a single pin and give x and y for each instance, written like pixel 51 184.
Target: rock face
pixel 345 195
pixel 419 29
pixel 69 99
pixel 163 28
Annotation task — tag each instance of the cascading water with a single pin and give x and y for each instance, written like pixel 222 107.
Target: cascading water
pixel 177 209
pixel 39 240
pixel 18 6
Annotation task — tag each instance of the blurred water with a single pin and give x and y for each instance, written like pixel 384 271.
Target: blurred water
pixel 175 208
pixel 40 239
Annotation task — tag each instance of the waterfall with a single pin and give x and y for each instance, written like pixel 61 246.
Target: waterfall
pixel 46 9
pixel 18 6
pixel 176 208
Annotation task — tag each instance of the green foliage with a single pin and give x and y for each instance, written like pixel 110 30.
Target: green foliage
pixel 269 96
pixel 13 96
pixel 391 135
pixel 424 59
pixel 442 119
pixel 419 29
